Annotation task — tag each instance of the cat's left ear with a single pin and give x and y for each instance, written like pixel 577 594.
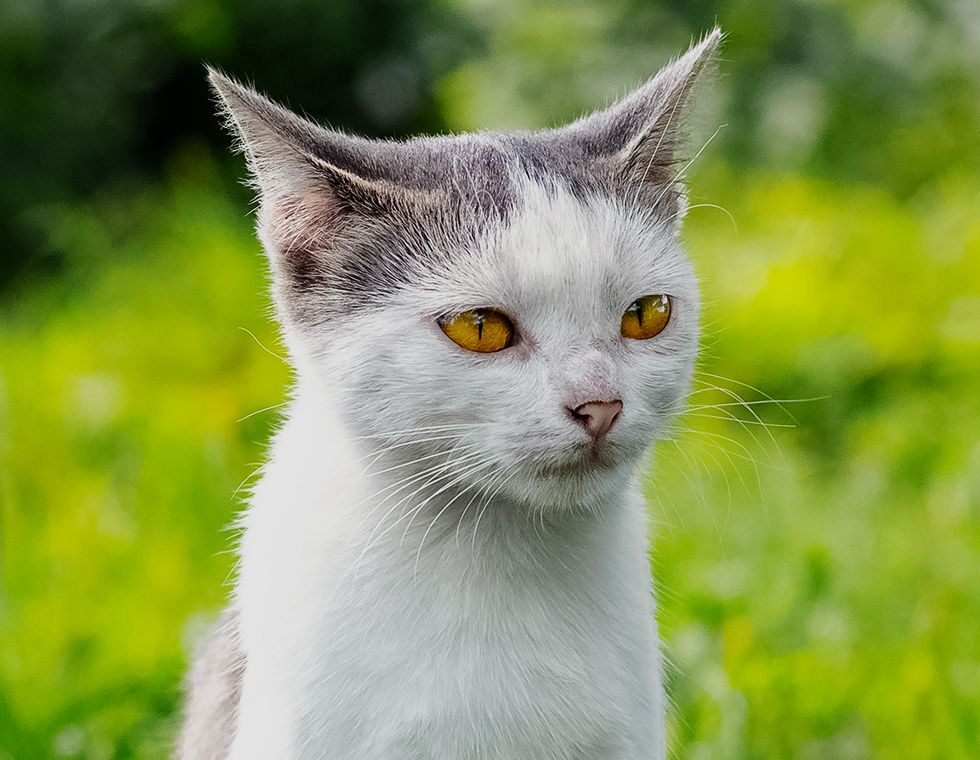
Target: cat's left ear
pixel 635 144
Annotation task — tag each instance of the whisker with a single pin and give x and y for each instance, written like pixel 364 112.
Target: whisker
pixel 746 454
pixel 763 393
pixel 730 416
pixel 259 411
pixel 269 351
pixel 247 478
pixel 700 491
pixel 728 455
pixel 488 500
pixel 677 468
pixel 724 210
pixel 414 513
pixel 483 489
pixel 755 402
pixel 724 473
pixel 440 473
pixel 423 429
pixel 400 485
pixel 439 514
pixel 670 185
pixel 737 399
pixel 656 149
pixel 377 453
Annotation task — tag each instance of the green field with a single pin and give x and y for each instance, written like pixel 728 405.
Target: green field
pixel 819 583
pixel 817 559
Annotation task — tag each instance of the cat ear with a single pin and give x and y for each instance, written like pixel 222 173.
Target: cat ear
pixel 312 182
pixel 635 143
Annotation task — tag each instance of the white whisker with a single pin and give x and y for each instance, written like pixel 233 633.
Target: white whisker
pixel 269 351
pixel 260 411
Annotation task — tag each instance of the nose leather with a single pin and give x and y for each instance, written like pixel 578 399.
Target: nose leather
pixel 597 417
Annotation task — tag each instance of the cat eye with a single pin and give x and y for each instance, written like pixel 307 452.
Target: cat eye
pixel 482 330
pixel 645 317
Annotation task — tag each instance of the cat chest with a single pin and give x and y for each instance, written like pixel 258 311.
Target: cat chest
pixel 480 703
pixel 454 682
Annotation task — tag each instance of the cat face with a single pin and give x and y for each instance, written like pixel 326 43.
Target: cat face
pixel 513 313
pixel 563 271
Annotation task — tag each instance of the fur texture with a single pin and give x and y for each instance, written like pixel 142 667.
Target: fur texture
pixel 438 561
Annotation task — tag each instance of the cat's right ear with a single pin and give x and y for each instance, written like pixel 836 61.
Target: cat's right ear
pixel 636 143
pixel 313 183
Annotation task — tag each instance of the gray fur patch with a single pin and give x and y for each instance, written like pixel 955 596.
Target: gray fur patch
pixel 213 688
pixel 449 192
pixel 352 221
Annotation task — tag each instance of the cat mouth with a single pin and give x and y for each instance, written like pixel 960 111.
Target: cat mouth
pixel 588 458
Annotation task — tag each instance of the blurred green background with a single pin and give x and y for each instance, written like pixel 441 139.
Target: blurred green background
pixel 819 575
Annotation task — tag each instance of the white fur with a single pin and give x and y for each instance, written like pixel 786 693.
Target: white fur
pixel 511 623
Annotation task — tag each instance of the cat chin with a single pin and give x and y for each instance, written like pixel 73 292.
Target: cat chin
pixel 571 488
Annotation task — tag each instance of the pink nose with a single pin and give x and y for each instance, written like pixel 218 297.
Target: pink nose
pixel 597 417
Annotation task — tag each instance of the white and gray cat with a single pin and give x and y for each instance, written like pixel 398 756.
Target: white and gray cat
pixel 447 556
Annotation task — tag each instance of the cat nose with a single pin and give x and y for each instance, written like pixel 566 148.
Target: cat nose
pixel 597 417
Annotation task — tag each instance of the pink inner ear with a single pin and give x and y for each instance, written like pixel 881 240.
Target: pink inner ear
pixel 303 223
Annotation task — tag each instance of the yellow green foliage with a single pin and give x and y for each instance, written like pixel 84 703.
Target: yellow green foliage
pixel 818 583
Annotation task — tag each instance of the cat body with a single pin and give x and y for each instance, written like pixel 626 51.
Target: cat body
pixel 446 555
pixel 519 642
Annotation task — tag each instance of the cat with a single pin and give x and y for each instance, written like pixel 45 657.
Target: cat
pixel 446 555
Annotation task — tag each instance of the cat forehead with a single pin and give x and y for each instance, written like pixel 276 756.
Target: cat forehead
pixel 560 245
pixel 559 236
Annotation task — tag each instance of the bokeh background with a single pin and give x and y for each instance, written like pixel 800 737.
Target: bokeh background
pixel 819 573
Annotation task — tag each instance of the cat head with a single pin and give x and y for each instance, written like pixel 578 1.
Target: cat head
pixel 519 302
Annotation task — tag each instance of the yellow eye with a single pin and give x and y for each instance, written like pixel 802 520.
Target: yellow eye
pixel 480 330
pixel 646 317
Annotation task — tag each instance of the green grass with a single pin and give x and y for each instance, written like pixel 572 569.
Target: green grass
pixel 819 601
